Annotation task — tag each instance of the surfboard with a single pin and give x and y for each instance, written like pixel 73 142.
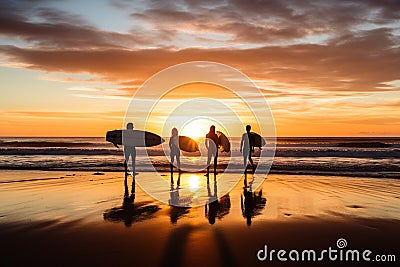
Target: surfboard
pixel 259 141
pixel 138 139
pixel 188 144
pixel 225 144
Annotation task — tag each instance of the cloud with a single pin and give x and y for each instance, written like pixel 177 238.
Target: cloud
pixel 66 34
pixel 324 60
pixel 365 62
pixel 183 24
pixel 63 114
pixel 350 61
pixel 266 22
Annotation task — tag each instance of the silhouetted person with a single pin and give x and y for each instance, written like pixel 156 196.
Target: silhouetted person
pixel 247 147
pixel 212 144
pixel 128 139
pixel 175 152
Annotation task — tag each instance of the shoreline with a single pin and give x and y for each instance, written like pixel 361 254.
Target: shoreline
pixel 350 174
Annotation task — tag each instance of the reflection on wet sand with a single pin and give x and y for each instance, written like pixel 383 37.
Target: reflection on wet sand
pixel 178 240
pixel 177 212
pixel 252 203
pixel 131 212
pixel 216 208
pixel 126 193
pixel 176 199
pixel 177 203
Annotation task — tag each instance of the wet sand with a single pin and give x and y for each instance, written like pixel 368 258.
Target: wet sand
pixel 82 219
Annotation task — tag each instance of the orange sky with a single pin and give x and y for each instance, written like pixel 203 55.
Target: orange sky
pixel 325 68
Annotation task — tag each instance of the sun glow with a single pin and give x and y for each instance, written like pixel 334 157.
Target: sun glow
pixel 194 182
pixel 198 128
pixel 195 131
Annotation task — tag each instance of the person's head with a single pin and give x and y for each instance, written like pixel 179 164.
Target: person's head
pixel 129 126
pixel 212 129
pixel 174 132
pixel 248 128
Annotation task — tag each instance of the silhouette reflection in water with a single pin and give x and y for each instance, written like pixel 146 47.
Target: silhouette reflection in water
pixel 216 208
pixel 126 194
pixel 131 212
pixel 252 203
pixel 179 205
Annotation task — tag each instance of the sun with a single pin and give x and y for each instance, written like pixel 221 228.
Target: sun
pixel 197 128
pixel 194 131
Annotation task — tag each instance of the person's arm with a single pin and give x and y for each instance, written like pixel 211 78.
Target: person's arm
pixel 207 140
pixel 170 143
pixel 241 144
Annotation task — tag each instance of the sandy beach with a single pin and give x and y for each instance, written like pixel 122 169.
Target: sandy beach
pixel 82 219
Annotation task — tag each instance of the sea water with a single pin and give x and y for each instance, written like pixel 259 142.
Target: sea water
pixel 294 155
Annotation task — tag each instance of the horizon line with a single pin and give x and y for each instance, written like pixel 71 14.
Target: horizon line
pixel 347 136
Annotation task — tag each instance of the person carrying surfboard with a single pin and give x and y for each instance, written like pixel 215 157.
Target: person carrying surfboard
pixel 128 140
pixel 247 147
pixel 175 152
pixel 212 149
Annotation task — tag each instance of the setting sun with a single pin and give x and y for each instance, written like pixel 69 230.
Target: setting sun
pixel 199 127
pixel 195 132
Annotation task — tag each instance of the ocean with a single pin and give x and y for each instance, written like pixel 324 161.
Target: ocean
pixel 343 156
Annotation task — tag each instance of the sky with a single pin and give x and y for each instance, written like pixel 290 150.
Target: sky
pixel 326 68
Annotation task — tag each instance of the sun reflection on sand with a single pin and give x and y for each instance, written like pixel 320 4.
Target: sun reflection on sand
pixel 194 182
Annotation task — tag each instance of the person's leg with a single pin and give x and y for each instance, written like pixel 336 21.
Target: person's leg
pixel 178 161
pixel 244 162
pixel 209 154
pixel 172 166
pixel 215 163
pixel 133 155
pixel 125 166
pixel 251 161
pixel 126 159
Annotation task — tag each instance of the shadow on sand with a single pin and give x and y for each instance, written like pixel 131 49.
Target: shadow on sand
pixel 131 212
